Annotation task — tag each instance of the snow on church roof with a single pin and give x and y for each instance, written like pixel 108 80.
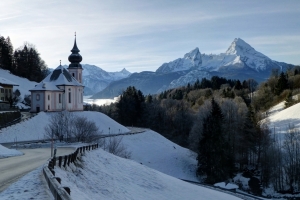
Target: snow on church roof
pixel 59 77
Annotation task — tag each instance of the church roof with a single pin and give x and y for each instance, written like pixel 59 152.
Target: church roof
pixel 59 77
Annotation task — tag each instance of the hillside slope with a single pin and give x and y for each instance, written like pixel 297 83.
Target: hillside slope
pixel 281 120
pixel 106 176
pixel 33 129
pixel 157 152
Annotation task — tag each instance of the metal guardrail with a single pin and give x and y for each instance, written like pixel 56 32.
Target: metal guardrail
pixel 11 123
pixel 8 144
pixel 59 192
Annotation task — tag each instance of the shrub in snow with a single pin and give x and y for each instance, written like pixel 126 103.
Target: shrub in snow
pixel 114 146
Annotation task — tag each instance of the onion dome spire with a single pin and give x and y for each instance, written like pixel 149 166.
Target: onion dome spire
pixel 75 58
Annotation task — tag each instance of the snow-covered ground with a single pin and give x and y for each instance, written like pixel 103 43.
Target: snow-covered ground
pixel 5 152
pixel 33 129
pixel 31 186
pixel 106 176
pixel 275 109
pixel 280 120
pixel 157 152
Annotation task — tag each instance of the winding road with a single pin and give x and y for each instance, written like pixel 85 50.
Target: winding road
pixel 13 168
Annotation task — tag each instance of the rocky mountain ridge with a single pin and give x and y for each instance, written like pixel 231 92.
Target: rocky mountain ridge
pixel 96 79
pixel 240 61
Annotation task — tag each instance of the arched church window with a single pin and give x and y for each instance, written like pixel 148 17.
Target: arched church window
pixel 37 97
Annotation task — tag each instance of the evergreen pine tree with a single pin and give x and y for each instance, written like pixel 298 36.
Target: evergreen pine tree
pixel 213 157
pixel 130 106
pixel 238 85
pixel 282 84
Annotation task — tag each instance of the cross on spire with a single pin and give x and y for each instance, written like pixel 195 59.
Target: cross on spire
pixel 75 34
pixel 59 62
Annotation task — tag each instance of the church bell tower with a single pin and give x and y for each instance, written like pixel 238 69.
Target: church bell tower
pixel 75 68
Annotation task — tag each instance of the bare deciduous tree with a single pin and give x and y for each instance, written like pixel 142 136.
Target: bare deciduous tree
pixel 65 125
pixel 291 147
pixel 56 128
pixel 84 130
pixel 114 145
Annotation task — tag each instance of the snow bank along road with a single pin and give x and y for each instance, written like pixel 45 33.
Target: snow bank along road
pixel 13 168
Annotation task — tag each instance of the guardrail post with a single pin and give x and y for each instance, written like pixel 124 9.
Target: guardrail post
pixel 68 190
pixel 58 179
pixel 59 161
pixel 54 162
pixel 50 164
pixel 65 162
pixel 69 159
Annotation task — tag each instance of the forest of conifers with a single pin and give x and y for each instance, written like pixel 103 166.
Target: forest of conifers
pixel 25 61
pixel 221 120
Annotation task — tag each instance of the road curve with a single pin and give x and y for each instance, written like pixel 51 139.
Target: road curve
pixel 13 168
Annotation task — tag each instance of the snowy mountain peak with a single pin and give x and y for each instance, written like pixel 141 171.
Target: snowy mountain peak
pixel 125 71
pixel 238 46
pixel 190 60
pixel 194 56
pixel 96 79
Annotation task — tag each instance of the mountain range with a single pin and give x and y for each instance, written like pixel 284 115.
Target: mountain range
pixel 96 79
pixel 240 61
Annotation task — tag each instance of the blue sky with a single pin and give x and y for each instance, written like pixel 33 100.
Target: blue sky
pixel 142 35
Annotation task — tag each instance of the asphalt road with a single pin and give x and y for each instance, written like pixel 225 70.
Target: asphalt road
pixel 13 168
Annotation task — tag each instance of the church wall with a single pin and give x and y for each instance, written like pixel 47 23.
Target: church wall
pixel 76 104
pixel 37 101
pixel 54 103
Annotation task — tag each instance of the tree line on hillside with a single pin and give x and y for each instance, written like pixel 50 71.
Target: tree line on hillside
pixel 220 120
pixel 25 61
pixel 281 86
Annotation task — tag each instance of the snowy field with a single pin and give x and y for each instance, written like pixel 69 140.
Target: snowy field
pixel 281 119
pixel 5 152
pixel 106 176
pixel 157 152
pixel 33 128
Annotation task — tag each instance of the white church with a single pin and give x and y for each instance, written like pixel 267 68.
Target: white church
pixel 62 89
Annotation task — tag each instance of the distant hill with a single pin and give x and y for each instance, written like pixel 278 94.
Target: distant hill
pixel 148 82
